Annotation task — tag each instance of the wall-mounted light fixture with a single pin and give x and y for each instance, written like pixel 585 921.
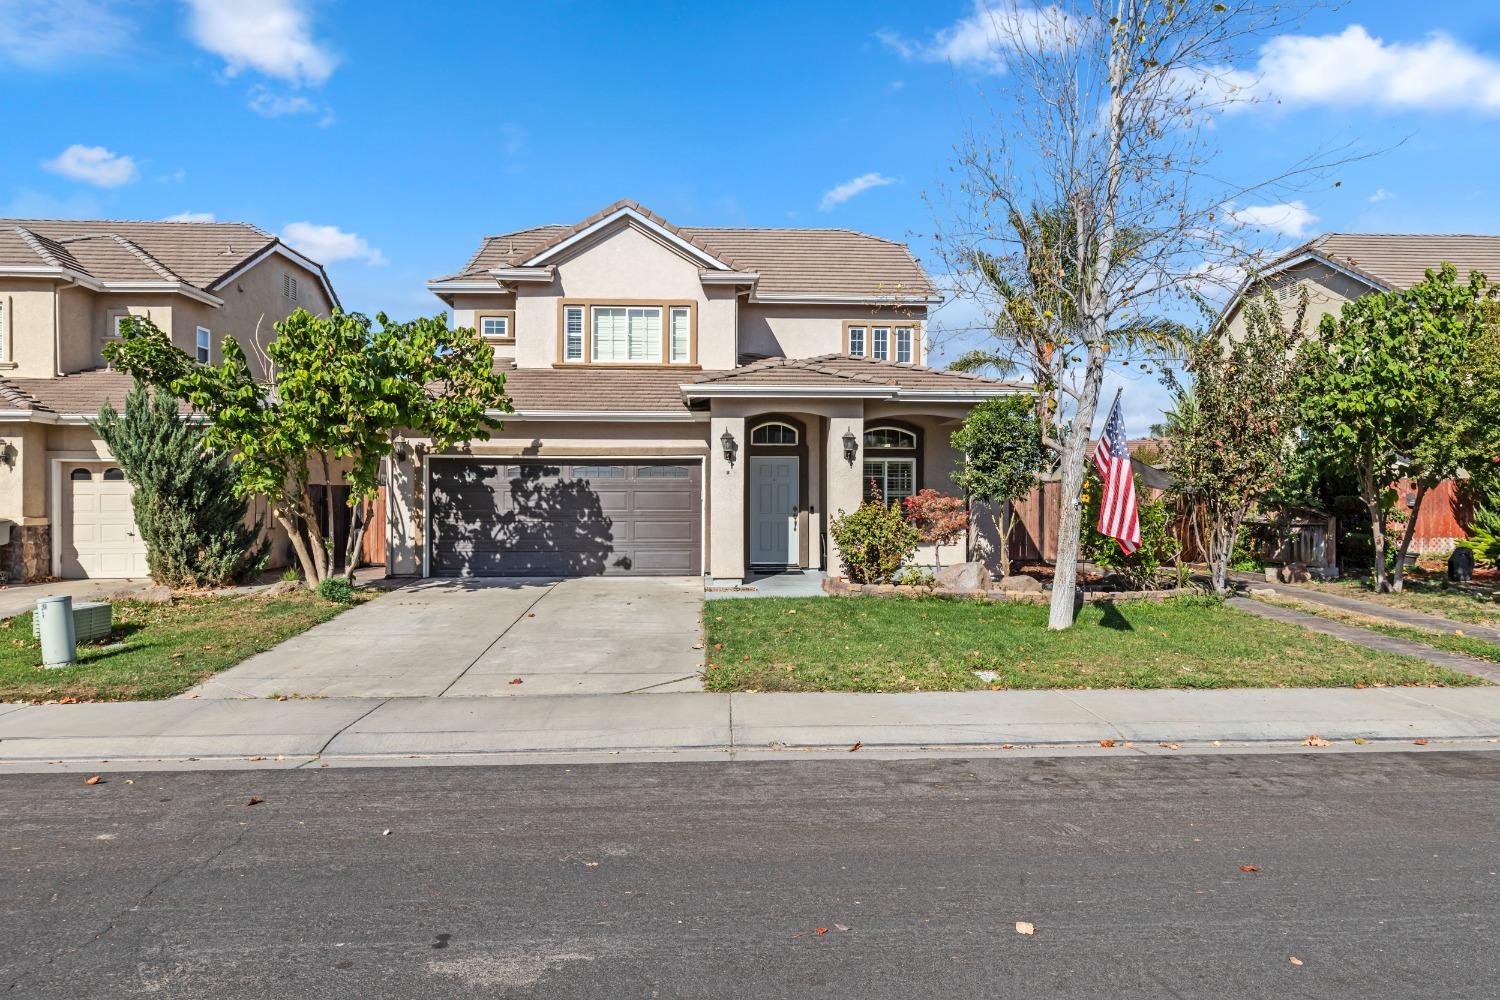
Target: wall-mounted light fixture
pixel 727 442
pixel 7 454
pixel 851 446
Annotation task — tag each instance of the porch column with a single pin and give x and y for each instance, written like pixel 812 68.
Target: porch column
pixel 726 499
pixel 843 480
pixel 403 516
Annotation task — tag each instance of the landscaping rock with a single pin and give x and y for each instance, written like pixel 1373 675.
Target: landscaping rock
pixel 151 595
pixel 1021 584
pixel 967 576
pixel 1294 573
pixel 281 588
pixel 1263 591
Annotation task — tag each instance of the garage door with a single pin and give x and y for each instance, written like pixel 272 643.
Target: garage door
pixel 99 536
pixel 507 518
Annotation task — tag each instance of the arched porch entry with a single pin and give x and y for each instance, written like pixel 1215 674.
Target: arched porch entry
pixel 778 508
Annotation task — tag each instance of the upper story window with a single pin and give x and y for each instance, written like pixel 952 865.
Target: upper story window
pixel 884 342
pixel 203 345
pixel 497 326
pixel 117 324
pixel 288 286
pixel 627 333
pixel 773 434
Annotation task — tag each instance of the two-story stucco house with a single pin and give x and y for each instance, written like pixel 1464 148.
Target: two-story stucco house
pixel 687 401
pixel 65 287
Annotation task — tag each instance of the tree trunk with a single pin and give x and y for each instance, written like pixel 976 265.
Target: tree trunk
pixel 1406 537
pixel 358 522
pixel 327 541
pixel 1070 517
pixel 1221 550
pixel 308 515
pixel 1003 525
pixel 299 546
pixel 1377 522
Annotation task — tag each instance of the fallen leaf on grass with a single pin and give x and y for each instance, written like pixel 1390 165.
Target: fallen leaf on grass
pixel 1106 743
pixel 1315 741
pixel 95 780
pixel 254 800
pixel 1421 742
pixel 856 746
pixel 1295 960
pixel 1249 868
pixel 1023 927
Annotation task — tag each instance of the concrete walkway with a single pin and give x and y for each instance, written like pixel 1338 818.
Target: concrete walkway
pixel 1375 609
pixel 493 637
pixel 1487 669
pixel 22 598
pixel 269 733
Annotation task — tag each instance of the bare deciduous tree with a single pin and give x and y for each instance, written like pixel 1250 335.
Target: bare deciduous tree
pixel 1093 194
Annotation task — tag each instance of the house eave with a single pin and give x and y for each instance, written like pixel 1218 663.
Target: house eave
pixel 280 249
pixel 660 231
pixel 94 284
pixel 821 299
pixel 608 416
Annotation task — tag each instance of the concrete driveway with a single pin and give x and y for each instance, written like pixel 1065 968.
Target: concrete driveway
pixel 468 638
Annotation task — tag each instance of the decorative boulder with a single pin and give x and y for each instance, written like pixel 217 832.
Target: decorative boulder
pixel 282 588
pixel 1021 584
pixel 1294 573
pixel 963 576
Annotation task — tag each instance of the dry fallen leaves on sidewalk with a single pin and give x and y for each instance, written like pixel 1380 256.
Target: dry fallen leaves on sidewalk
pixel 1106 743
pixel 1249 868
pixel 1295 960
pixel 254 800
pixel 1421 742
pixel 1025 927
pixel 857 745
pixel 95 780
pixel 1315 741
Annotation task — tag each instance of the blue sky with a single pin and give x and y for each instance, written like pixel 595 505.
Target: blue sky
pixel 386 138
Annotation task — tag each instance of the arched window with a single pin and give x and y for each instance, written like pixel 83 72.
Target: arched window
pixel 113 476
pixel 775 433
pixel 80 475
pixel 890 437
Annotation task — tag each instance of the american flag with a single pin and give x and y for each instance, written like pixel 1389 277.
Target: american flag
pixel 1118 517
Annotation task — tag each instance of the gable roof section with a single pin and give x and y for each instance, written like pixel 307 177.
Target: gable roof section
pixel 78 395
pixel 846 376
pixel 186 256
pixel 798 265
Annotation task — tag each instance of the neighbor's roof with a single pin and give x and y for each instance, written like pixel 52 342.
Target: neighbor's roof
pixel 78 394
pixel 198 254
pixel 845 372
pixel 788 261
pixel 1397 260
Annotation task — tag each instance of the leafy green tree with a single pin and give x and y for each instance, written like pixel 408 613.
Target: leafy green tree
pixel 1231 436
pixel 338 392
pixel 1003 454
pixel 1158 547
pixel 186 505
pixel 1388 386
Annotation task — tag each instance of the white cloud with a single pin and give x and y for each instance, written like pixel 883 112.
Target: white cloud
pixel 269 104
pixel 46 34
pixel 93 165
pixel 190 217
pixel 1289 218
pixel 328 244
pixel 1355 69
pixel 1381 194
pixel 850 188
pixel 273 37
pixel 980 40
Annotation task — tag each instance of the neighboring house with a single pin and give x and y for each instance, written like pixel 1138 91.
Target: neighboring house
pixel 1340 267
pixel 65 287
pixel 688 401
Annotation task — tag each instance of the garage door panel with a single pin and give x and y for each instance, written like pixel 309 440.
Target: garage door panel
pixel 98 532
pixel 501 518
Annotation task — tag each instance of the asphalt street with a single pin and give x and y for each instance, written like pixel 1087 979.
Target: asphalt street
pixel 1374 876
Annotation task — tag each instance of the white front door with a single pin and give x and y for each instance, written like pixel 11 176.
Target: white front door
pixel 99 534
pixel 774 537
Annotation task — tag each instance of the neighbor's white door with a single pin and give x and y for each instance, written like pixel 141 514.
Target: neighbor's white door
pixel 773 511
pixel 99 534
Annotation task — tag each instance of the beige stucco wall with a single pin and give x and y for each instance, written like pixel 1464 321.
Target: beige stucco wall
pixel 1327 291
pixel 30 324
pixel 467 309
pixel 253 304
pixel 805 331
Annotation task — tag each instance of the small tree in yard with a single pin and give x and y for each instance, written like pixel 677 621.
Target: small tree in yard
pixel 940 519
pixel 1001 443
pixel 1388 388
pixel 186 505
pixel 337 391
pixel 1234 432
pixel 874 540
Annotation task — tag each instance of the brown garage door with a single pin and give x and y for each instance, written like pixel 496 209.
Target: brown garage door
pixel 508 518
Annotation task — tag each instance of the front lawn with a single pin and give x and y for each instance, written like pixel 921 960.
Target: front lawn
pixel 929 644
pixel 158 650
pixel 1474 603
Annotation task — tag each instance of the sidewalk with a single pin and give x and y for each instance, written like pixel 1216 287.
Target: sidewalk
pixel 316 732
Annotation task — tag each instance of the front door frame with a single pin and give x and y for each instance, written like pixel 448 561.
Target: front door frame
pixel 797 451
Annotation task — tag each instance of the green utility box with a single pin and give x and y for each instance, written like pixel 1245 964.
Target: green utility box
pixel 92 621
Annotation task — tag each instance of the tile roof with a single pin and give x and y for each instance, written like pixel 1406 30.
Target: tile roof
pixel 844 370
pixel 1401 261
pixel 196 253
pixel 81 393
pixel 789 261
pixel 624 391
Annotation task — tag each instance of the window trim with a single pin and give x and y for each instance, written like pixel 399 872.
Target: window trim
pixel 203 341
pixel 589 305
pixel 893 329
pixel 508 315
pixel 916 438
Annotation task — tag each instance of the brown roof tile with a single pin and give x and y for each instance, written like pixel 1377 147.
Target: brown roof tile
pixel 842 369
pixel 198 253
pixel 81 393
pixel 1401 261
pixel 624 391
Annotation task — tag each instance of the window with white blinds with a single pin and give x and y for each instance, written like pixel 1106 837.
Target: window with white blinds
pixel 682 325
pixel 573 333
pixel 627 334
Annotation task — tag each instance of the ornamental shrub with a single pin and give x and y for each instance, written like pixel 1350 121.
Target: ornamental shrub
pixel 336 589
pixel 874 541
pixel 1159 546
pixel 185 504
pixel 940 519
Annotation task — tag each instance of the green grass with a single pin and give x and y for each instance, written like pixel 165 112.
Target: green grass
pixel 157 650
pixel 1478 604
pixel 929 644
pixel 1446 641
